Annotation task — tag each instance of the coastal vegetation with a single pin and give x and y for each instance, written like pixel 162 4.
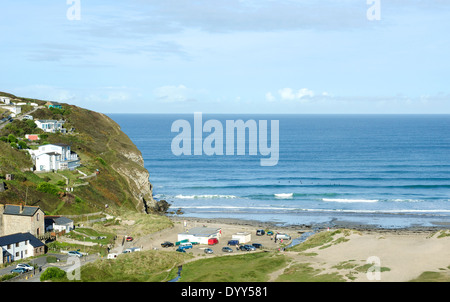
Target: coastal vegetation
pixel 324 240
pixel 254 267
pixel 145 266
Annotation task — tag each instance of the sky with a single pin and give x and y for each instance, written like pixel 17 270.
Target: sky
pixel 229 56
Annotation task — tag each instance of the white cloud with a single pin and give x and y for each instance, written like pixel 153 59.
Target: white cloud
pixel 270 97
pixel 290 94
pixel 46 92
pixel 178 93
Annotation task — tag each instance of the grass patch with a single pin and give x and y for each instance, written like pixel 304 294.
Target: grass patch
pixel 254 267
pixel 145 266
pixel 323 240
pixel 304 273
pixel 433 277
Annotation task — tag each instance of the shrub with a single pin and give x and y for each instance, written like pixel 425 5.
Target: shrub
pixel 48 188
pixel 12 138
pixel 53 274
pixel 23 145
pixel 61 183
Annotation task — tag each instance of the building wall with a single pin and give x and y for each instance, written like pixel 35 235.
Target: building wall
pixel 22 250
pixel 2 209
pixel 22 224
pixel 19 250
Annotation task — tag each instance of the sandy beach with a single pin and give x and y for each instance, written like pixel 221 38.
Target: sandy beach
pixel 402 254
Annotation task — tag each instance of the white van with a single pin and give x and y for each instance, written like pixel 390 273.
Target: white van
pixel 186 245
pixel 112 256
pixel 282 236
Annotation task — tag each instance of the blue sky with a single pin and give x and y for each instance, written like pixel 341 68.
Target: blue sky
pixel 230 56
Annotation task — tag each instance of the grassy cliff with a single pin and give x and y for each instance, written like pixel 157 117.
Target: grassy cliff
pixel 112 172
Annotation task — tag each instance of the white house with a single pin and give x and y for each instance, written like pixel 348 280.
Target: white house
pixel 200 234
pixel 5 100
pixel 50 125
pixel 58 224
pixel 243 237
pixel 14 109
pixel 54 157
pixel 19 246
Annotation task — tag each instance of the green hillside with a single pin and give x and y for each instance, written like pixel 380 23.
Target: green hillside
pixel 116 177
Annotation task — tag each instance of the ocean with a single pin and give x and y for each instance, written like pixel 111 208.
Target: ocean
pixel 389 171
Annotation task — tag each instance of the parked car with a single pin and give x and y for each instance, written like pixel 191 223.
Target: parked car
pixel 25 266
pixel 131 250
pixel 233 242
pixel 186 245
pixel 75 253
pixel 181 250
pixel 212 241
pixel 129 239
pixel 19 270
pixel 227 249
pixel 209 251
pixel 260 232
pixel 167 244
pixel 257 245
pixel 269 233
pixel 247 247
pixel 250 247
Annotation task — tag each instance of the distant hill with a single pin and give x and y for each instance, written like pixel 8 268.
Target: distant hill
pixel 112 173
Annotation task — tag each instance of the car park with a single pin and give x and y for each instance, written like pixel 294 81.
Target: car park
pixel 227 249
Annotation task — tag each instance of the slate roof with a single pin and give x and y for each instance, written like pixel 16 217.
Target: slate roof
pixel 20 237
pixel 59 220
pixel 15 210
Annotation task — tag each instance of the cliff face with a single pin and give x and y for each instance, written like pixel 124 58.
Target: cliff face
pixel 119 179
pixel 130 165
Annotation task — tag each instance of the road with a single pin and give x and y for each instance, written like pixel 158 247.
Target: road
pixel 42 263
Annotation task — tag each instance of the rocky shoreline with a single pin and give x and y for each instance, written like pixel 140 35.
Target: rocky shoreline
pixel 335 224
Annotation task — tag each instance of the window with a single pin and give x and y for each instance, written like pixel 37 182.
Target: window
pixel 17 254
pixel 9 246
pixel 26 252
pixel 37 217
pixel 17 244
